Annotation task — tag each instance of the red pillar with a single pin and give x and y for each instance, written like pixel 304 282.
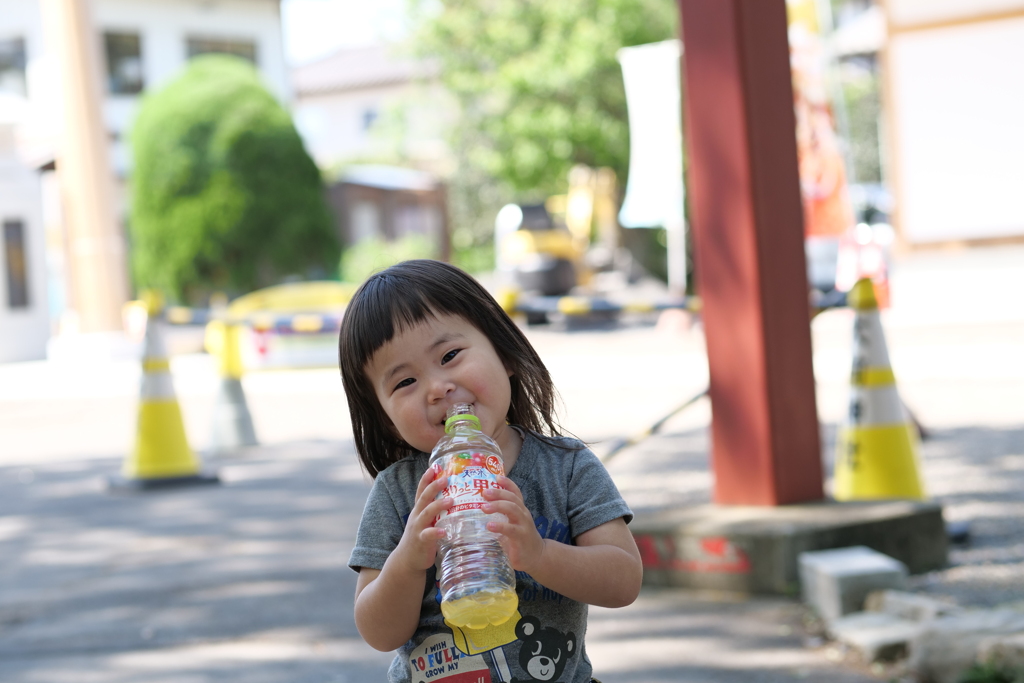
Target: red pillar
pixel 747 227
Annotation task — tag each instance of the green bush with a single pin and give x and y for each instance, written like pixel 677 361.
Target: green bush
pixel 224 195
pixel 362 260
pixel 863 110
pixel 990 673
pixel 478 258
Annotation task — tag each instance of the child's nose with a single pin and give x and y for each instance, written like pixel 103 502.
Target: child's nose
pixel 439 388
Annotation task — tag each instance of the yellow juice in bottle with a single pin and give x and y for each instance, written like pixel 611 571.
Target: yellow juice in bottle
pixel 484 608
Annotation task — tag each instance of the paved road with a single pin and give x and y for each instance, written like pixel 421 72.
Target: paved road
pixel 247 581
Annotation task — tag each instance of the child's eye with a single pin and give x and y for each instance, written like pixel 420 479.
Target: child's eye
pixel 404 383
pixel 448 356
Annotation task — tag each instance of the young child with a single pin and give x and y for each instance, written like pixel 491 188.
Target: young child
pixel 417 338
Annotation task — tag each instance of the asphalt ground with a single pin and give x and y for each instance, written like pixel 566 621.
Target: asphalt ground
pixel 247 581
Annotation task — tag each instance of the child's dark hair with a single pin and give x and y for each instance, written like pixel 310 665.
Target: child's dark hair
pixel 403 296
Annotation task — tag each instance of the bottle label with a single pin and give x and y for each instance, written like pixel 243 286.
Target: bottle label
pixel 469 475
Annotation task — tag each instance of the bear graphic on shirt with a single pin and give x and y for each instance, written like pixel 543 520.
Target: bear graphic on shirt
pixel 544 651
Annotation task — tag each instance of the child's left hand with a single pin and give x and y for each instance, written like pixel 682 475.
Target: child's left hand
pixel 519 536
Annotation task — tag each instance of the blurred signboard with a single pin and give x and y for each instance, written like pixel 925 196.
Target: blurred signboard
pixel 823 175
pixel 919 13
pixel 654 192
pixel 955 106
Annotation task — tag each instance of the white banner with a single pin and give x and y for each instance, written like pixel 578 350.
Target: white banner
pixel 654 192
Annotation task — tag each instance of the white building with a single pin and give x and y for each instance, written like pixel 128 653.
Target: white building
pixel 954 107
pixel 372 104
pixel 953 100
pixel 142 44
pixel 24 317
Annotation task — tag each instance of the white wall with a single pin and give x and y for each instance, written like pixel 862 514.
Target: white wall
pixel 957 103
pixel 22 19
pixel 917 12
pixel 331 124
pixel 23 331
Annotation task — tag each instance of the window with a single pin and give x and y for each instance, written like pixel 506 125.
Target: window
pixel 369 118
pixel 17 264
pixel 246 49
pixel 12 66
pixel 124 63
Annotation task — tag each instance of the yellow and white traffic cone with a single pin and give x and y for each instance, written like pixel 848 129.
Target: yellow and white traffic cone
pixel 232 422
pixel 161 456
pixel 876 448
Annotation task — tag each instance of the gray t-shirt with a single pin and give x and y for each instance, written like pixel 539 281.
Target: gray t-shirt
pixel 569 492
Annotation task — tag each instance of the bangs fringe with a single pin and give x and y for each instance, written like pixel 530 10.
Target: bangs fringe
pixel 386 311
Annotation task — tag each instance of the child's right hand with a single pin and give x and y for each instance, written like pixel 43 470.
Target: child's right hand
pixel 418 546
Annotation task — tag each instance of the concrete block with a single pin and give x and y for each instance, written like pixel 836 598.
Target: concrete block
pixel 1003 652
pixel 836 582
pixel 752 549
pixel 948 646
pixel 879 637
pixel 909 606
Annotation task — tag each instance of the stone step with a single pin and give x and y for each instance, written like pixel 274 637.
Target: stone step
pixel 877 636
pixel 754 549
pixel 909 606
pixel 836 582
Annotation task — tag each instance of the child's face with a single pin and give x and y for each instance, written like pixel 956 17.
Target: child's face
pixel 441 361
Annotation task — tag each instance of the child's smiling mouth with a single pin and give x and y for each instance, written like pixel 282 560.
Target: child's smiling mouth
pixel 444 419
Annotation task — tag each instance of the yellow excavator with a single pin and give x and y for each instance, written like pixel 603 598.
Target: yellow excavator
pixel 554 247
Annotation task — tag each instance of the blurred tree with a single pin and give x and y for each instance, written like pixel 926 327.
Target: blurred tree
pixel 224 195
pixel 863 110
pixel 539 85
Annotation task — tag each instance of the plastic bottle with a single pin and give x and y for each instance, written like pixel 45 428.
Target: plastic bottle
pixel 478 586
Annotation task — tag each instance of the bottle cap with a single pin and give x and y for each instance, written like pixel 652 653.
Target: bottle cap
pixel 460 412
